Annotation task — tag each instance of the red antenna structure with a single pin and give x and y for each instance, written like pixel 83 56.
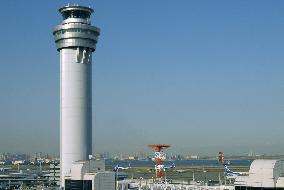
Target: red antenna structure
pixel 160 156
pixel 221 158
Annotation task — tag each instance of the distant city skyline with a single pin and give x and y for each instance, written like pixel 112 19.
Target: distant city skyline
pixel 204 76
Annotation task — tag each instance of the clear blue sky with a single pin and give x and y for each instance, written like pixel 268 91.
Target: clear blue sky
pixel 201 75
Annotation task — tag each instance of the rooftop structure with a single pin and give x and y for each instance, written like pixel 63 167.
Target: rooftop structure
pixel 90 175
pixel 263 174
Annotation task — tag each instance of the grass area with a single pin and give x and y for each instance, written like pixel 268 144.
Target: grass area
pixel 184 173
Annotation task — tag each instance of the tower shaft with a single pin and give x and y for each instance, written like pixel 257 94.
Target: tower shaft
pixel 75 109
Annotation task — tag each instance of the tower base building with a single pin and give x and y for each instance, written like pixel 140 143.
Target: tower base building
pixel 90 175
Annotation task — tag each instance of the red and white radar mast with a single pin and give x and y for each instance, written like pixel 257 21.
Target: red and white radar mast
pixel 160 157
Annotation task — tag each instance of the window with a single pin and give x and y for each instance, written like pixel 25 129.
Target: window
pixel 78 184
pixel 76 14
pixel 86 31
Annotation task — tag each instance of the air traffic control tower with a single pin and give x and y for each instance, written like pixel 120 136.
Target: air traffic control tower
pixel 75 40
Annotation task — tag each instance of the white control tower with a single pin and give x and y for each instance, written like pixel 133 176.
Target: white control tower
pixel 75 40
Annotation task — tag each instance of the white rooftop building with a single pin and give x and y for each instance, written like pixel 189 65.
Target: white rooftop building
pixel 263 174
pixel 90 175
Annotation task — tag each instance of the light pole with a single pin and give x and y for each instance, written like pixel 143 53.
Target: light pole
pixel 140 179
pixel 116 169
pixel 116 173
